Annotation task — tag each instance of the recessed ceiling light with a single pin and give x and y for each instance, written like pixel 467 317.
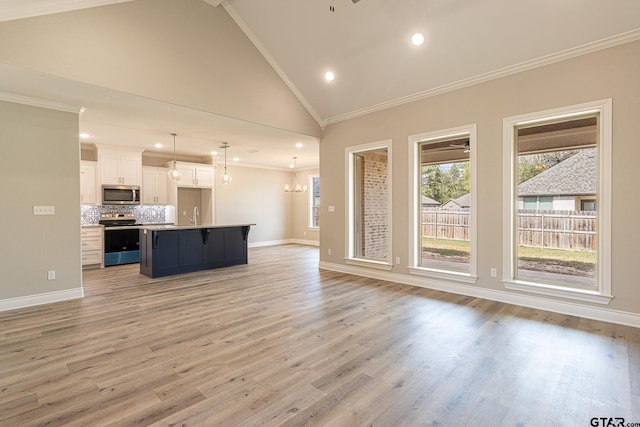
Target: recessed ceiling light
pixel 157 145
pixel 299 145
pixel 417 39
pixel 329 76
pixel 236 159
pixel 85 135
pixel 291 166
pixel 214 153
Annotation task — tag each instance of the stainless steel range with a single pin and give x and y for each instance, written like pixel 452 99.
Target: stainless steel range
pixel 121 239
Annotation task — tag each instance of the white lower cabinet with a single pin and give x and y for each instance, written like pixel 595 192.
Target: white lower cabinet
pixel 92 247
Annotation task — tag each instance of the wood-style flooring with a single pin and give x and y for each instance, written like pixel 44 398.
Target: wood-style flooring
pixel 278 342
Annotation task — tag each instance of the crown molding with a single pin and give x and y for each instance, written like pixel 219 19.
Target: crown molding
pixel 42 103
pixel 214 3
pixel 24 10
pixel 584 49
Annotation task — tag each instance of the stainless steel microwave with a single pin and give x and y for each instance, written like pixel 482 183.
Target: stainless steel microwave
pixel 120 195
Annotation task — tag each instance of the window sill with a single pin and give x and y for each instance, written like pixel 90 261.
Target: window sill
pixel 453 276
pixel 380 265
pixel 558 291
pixel 310 228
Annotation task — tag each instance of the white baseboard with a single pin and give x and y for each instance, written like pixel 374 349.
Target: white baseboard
pixel 39 299
pixel 305 242
pixel 269 243
pixel 539 303
pixel 283 242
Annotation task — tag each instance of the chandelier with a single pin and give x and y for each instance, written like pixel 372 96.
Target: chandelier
pixel 226 177
pixel 174 172
pixel 295 187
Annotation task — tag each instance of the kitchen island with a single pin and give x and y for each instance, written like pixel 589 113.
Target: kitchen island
pixel 166 250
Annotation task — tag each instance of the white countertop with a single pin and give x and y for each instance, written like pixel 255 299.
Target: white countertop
pixel 187 227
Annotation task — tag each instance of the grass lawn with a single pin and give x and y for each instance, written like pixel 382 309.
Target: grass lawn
pixel 574 259
pixel 447 247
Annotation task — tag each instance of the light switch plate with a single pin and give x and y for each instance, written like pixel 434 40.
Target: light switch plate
pixel 44 210
pixel 332 208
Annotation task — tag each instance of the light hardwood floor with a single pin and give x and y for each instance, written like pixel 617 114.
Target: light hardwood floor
pixel 279 342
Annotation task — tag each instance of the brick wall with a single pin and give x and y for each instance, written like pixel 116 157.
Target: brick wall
pixel 374 205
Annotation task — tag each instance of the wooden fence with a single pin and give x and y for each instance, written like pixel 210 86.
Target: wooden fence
pixel 449 224
pixel 574 230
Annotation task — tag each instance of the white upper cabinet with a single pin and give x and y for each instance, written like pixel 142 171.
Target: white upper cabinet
pixel 155 186
pixel 120 167
pixel 204 176
pixel 89 183
pixel 195 175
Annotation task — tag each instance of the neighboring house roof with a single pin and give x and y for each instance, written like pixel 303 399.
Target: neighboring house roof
pixel 464 201
pixel 461 202
pixel 575 175
pixel 450 204
pixel 426 201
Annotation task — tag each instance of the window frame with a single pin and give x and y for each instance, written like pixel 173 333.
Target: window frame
pixel 415 266
pixel 310 205
pixel 602 294
pixel 350 257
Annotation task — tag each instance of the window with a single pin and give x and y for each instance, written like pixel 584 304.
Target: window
pixel 314 201
pixel 443 210
pixel 369 201
pixel 557 202
pixel 588 205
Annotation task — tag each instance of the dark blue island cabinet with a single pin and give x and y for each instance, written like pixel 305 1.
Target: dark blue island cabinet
pixel 169 250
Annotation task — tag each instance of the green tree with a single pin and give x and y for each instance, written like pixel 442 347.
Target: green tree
pixel 531 165
pixel 445 182
pixel 431 182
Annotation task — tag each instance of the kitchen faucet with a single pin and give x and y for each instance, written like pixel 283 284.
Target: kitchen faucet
pixel 195 215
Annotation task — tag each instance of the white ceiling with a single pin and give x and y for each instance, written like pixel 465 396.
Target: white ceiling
pixel 117 118
pixel 365 44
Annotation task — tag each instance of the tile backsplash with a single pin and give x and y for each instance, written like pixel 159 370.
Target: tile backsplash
pixel 144 214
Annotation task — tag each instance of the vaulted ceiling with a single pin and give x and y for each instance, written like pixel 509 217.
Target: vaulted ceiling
pixel 367 47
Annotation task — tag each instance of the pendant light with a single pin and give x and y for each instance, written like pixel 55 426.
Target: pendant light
pixel 226 177
pixel 295 187
pixel 174 172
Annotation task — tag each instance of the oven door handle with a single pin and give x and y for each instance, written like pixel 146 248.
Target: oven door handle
pixel 155 240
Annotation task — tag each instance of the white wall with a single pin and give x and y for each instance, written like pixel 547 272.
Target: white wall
pixel 611 73
pixel 256 196
pixel 565 203
pixel 40 166
pixel 185 52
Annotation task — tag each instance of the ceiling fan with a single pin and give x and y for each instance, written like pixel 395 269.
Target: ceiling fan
pixel 333 9
pixel 465 146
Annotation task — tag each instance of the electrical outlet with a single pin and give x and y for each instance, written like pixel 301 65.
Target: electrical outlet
pixel 328 251
pixel 51 275
pixel 44 210
pixel 332 208
pixel 494 272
